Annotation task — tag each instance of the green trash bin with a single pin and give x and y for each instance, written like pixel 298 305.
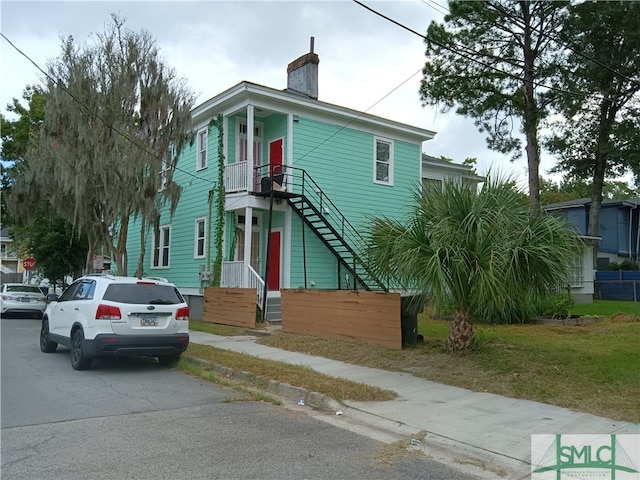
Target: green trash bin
pixel 410 307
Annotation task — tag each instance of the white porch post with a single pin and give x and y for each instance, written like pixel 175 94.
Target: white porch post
pixel 225 138
pixel 248 227
pixel 250 153
pixel 289 141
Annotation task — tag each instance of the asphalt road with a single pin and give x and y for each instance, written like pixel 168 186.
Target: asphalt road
pixel 133 419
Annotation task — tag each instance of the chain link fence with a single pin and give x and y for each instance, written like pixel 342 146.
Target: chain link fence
pixel 626 290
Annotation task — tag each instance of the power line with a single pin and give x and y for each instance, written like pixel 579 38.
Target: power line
pixel 358 116
pixel 433 4
pixel 517 20
pixel 95 115
pixel 521 24
pixel 469 57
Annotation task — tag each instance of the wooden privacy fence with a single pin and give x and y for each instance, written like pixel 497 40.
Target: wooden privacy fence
pixel 369 317
pixel 230 306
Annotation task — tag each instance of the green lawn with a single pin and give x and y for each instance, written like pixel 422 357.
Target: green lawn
pixel 606 308
pixel 594 368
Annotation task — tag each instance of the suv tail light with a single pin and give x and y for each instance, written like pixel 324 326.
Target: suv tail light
pixel 108 312
pixel 182 313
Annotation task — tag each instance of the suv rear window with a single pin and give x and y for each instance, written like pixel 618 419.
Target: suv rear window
pixel 23 289
pixel 143 293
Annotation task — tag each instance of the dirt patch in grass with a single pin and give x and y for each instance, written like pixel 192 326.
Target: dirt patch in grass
pixel 592 368
pixel 297 375
pixel 215 328
pixel 624 317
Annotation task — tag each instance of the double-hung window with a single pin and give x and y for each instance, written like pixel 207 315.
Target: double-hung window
pixel 201 161
pixel 200 237
pixel 383 161
pixel 161 246
pixel 242 143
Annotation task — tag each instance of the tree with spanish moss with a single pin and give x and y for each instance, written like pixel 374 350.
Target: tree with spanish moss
pixel 116 118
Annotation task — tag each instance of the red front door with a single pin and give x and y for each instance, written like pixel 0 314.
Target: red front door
pixel 275 157
pixel 273 275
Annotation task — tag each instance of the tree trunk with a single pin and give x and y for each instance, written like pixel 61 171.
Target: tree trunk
pixel 607 116
pixel 143 249
pixel 461 336
pixel 530 115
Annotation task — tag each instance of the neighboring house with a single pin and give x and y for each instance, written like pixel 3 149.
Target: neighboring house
pixel 619 239
pixel 301 179
pixel 436 171
pixel 9 261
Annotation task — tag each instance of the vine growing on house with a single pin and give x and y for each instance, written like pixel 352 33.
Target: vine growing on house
pixel 219 229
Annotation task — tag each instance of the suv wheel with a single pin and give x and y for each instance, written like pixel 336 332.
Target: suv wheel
pixel 169 360
pixel 78 360
pixel 46 345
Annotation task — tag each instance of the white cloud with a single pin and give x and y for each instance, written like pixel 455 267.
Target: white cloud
pixel 215 44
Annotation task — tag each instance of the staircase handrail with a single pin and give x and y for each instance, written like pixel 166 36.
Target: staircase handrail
pixel 344 227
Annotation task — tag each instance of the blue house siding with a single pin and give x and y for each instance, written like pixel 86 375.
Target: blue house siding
pixel 618 225
pixel 578 217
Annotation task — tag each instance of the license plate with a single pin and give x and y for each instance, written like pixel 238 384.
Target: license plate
pixel 149 322
pixel 26 299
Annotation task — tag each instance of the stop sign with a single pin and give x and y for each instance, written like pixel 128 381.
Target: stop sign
pixel 29 263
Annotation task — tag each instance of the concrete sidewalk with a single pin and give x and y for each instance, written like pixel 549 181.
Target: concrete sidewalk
pixel 488 435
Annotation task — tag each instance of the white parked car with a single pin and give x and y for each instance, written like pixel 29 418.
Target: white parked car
pixel 106 315
pixel 19 298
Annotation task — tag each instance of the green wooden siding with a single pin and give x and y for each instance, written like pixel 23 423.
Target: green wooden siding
pixel 342 167
pixel 183 267
pixel 340 160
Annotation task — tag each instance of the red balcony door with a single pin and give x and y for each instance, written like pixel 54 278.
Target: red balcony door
pixel 275 157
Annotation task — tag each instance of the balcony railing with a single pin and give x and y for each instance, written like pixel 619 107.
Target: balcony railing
pixel 235 177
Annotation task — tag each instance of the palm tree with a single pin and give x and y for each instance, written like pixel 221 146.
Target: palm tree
pixel 476 250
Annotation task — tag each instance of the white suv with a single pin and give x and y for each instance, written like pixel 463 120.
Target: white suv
pixel 105 315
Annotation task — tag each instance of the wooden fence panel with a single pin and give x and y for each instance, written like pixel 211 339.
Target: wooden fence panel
pixel 230 306
pixel 369 317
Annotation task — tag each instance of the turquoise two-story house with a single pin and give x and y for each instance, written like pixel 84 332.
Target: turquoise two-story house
pixel 301 178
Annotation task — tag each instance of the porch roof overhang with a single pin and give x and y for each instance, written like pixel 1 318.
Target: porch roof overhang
pixel 464 171
pixel 245 93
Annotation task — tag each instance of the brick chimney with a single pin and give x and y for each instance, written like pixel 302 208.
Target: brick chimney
pixel 302 74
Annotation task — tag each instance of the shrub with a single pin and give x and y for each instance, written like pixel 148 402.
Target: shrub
pixel 557 305
pixel 624 265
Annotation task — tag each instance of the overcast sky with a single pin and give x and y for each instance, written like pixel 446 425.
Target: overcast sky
pixel 216 44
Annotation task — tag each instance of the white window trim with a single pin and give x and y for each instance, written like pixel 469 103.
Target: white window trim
pixel 199 165
pixel 576 274
pixel 161 228
pixel 196 238
pixel 257 137
pixel 375 160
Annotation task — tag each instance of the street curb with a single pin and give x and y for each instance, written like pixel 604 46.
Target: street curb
pixel 475 461
pixel 309 398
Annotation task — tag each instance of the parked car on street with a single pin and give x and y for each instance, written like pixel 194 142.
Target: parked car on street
pixel 17 298
pixel 106 315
